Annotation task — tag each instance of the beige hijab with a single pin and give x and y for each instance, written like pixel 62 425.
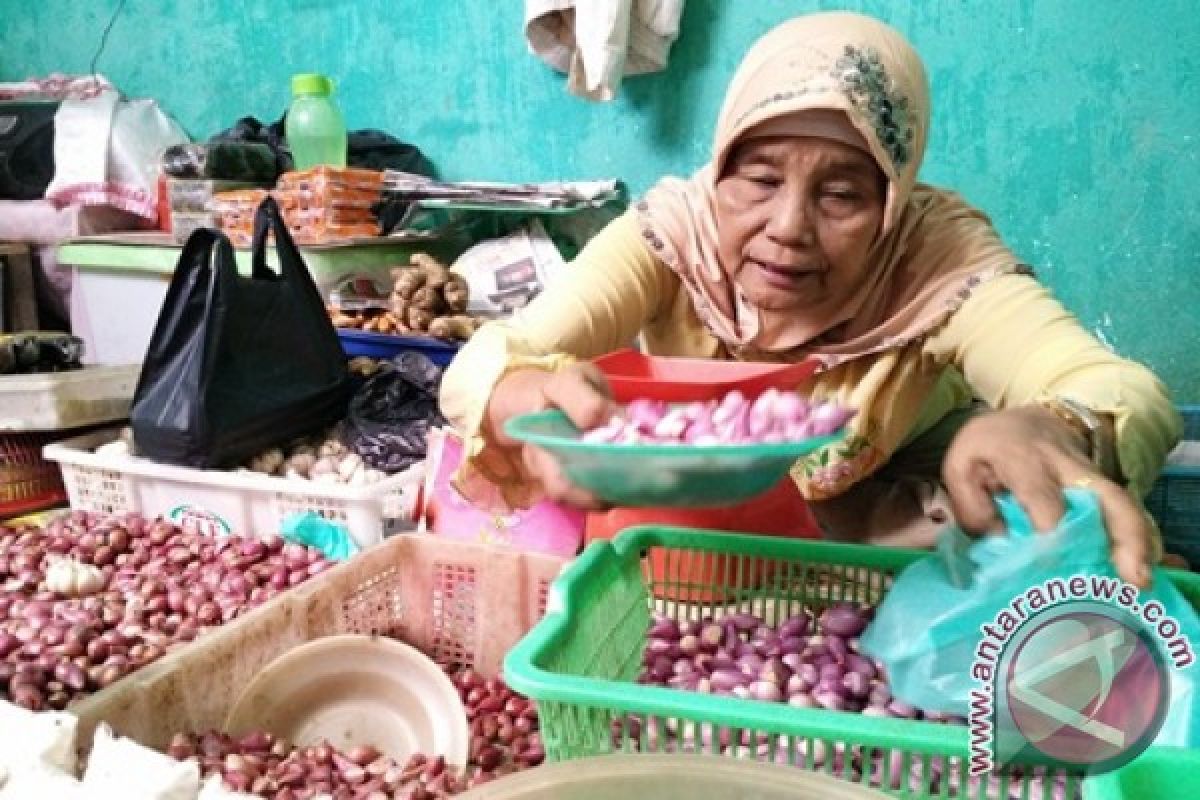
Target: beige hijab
pixel 851 78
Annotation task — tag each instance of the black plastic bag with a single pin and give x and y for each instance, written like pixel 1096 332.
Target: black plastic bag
pixel 237 365
pixel 251 162
pixel 366 149
pixel 250 130
pixel 372 149
pixel 391 415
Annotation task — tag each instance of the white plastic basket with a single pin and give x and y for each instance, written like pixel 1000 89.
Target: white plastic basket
pixel 220 502
pixel 56 401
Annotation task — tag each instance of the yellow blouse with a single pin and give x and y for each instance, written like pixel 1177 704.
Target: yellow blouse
pixel 1009 344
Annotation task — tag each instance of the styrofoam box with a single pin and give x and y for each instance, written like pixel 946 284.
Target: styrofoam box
pixel 220 502
pixel 55 401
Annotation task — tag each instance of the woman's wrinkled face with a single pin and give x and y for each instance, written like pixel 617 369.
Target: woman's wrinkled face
pixel 796 218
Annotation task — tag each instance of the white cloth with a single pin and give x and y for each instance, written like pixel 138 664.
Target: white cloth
pixel 107 152
pixel 596 42
pixel 120 767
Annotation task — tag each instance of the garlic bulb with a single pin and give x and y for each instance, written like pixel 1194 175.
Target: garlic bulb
pixel 69 577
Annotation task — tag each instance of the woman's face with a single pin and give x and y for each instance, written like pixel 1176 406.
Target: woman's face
pixel 796 218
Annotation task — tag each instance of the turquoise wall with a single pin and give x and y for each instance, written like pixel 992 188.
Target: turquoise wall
pixel 1074 123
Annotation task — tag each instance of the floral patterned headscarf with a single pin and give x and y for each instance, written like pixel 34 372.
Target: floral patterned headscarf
pixel 932 247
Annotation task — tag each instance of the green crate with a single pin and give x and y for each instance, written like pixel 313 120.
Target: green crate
pixel 581 661
pixel 1159 773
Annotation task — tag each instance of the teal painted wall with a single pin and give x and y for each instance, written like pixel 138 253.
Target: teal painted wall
pixel 1074 123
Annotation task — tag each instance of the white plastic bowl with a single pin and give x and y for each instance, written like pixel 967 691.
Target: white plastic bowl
pixel 355 690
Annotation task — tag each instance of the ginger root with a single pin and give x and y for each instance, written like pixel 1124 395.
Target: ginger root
pixel 436 273
pixel 423 292
pixel 419 319
pixel 407 282
pixel 456 293
pixel 456 326
pixel 429 299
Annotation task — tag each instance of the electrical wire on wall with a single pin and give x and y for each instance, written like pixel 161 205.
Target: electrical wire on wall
pixel 112 20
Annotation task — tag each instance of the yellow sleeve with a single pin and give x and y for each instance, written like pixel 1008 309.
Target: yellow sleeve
pixel 598 304
pixel 1016 345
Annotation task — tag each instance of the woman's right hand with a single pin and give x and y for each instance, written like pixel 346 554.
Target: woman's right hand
pixel 580 391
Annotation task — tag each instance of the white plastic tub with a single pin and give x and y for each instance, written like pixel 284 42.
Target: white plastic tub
pixel 220 502
pixel 61 400
pixel 121 280
pixel 669 777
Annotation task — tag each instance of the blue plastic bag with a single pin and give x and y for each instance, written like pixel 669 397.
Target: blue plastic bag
pixel 313 530
pixel 928 630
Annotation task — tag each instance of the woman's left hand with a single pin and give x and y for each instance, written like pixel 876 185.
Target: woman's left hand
pixel 1035 455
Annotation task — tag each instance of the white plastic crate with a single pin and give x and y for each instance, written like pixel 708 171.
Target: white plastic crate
pixel 56 401
pixel 219 502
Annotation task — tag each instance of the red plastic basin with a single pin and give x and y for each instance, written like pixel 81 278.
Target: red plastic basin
pixel 683 380
pixel 781 511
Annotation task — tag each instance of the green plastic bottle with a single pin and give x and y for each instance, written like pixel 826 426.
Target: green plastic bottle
pixel 315 129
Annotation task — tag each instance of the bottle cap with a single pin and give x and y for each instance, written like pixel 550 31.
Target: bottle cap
pixel 311 83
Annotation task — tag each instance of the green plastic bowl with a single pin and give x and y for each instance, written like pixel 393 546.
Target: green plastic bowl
pixel 660 475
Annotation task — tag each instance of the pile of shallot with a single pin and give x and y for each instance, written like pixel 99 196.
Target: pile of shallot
pixel 90 598
pixel 807 661
pixel 504 739
pixel 772 417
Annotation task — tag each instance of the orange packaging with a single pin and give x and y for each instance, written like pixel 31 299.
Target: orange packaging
pixel 325 234
pixel 320 177
pixel 328 196
pixel 328 216
pixel 237 200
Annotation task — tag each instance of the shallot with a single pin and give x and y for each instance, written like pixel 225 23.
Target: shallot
pixel 772 417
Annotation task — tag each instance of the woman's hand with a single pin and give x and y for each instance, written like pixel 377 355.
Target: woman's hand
pixel 1035 455
pixel 580 391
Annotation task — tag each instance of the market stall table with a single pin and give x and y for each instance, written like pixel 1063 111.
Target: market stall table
pixel 120 280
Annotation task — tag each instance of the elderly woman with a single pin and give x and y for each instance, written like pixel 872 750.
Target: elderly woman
pixel 807 236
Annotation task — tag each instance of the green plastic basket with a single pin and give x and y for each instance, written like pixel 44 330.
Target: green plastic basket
pixel 581 661
pixel 1159 773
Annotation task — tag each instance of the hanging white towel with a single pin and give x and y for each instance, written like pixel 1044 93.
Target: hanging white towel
pixel 597 42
